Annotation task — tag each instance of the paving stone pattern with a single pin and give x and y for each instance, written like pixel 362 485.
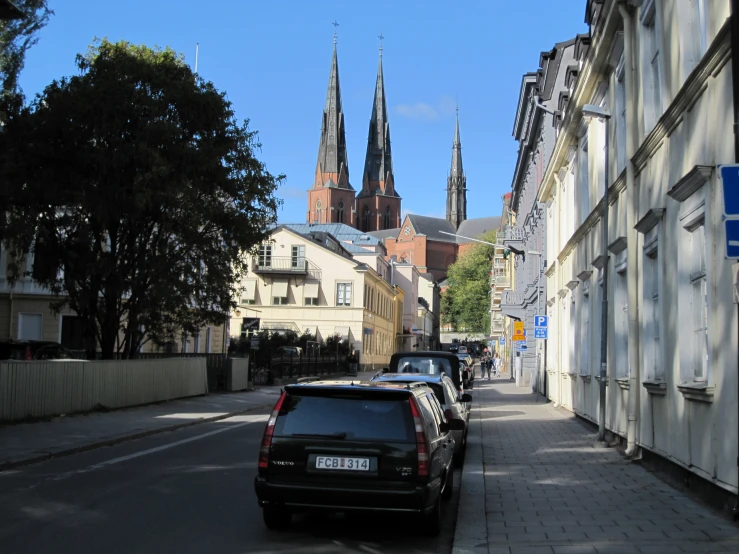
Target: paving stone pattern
pixel 534 483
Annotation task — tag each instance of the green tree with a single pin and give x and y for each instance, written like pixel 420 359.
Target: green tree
pixel 138 193
pixel 465 305
pixel 17 36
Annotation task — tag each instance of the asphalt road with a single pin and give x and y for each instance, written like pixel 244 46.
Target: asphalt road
pixel 188 491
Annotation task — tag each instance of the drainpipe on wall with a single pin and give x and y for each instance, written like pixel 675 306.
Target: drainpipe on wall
pixel 558 360
pixel 10 316
pixel 632 273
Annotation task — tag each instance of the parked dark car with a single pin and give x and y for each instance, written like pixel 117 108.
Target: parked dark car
pixel 36 350
pixel 455 405
pixel 343 446
pixel 430 363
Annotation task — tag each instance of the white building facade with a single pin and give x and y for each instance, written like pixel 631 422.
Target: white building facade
pixel 662 70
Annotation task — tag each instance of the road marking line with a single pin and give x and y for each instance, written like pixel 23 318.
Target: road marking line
pixel 135 455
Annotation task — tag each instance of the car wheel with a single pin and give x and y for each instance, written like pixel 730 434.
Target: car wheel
pixel 446 494
pixel 276 518
pixel 432 521
pixel 459 456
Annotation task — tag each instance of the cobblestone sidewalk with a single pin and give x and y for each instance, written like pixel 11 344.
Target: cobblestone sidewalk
pixel 534 483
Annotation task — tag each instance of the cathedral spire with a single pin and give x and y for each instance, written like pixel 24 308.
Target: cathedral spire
pixel 332 167
pixel 456 194
pixel 457 151
pixel 378 165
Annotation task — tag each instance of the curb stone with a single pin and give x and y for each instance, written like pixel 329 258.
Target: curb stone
pixel 5 466
pixel 471 533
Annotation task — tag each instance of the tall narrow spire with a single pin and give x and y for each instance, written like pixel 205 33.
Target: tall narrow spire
pixel 332 168
pixel 378 165
pixel 457 151
pixel 456 194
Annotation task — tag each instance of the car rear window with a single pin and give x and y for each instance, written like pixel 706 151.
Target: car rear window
pixel 362 419
pixel 428 366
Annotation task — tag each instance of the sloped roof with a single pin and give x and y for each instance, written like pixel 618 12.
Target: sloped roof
pixel 476 227
pixel 385 234
pixel 431 227
pixel 351 239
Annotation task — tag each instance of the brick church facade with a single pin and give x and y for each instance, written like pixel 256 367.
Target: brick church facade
pixel 431 244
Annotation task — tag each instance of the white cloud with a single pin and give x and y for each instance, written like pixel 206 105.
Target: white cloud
pixel 428 112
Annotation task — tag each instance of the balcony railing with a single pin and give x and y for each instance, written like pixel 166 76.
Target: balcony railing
pixel 514 236
pixel 286 265
pixel 512 298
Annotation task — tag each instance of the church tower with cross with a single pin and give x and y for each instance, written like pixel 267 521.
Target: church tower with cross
pixel 456 190
pixel 378 203
pixel 332 197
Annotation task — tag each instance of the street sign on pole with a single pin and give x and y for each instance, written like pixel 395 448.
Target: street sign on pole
pixel 730 187
pixel 541 327
pixel 731 228
pixel 522 347
pixel 730 184
pixel 502 340
pixel 518 331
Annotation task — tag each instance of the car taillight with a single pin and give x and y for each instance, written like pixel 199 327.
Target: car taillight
pixel 422 444
pixel 28 354
pixel 268 432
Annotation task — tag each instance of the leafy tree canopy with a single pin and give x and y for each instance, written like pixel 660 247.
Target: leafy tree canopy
pixel 466 303
pixel 138 194
pixel 17 36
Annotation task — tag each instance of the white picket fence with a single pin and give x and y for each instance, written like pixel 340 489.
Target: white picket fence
pixel 43 389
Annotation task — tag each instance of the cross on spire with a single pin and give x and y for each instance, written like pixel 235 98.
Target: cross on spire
pixel 380 37
pixel 335 24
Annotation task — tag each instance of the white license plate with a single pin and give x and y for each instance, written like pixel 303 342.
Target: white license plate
pixel 342 463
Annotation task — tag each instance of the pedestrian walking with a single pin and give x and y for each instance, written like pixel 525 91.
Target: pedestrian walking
pixel 490 365
pixel 496 363
pixel 483 365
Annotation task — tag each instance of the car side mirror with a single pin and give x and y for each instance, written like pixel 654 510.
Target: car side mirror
pixel 466 398
pixel 456 425
pixel 385 369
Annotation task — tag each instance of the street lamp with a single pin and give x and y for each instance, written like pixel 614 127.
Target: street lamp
pixel 603 114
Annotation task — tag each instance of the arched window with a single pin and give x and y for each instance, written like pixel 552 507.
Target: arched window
pixel 366 219
pixel 340 213
pixel 387 217
pixel 318 210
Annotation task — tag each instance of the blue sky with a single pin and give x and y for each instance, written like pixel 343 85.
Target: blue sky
pixel 273 60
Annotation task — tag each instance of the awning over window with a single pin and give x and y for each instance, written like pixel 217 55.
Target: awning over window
pixel 311 289
pixel 279 289
pixel 250 290
pixel 345 333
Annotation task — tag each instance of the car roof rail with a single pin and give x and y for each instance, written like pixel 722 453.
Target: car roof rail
pixel 415 385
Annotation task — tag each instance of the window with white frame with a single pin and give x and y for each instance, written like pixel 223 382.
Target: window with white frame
pixel 344 294
pixel 196 342
pixel 655 364
pixel 298 256
pixel 620 117
pixel 698 302
pixel 572 335
pixel 265 255
pixel 621 326
pixel 585 329
pixel 651 64
pixel 583 186
pixel 692 17
pixel 208 340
